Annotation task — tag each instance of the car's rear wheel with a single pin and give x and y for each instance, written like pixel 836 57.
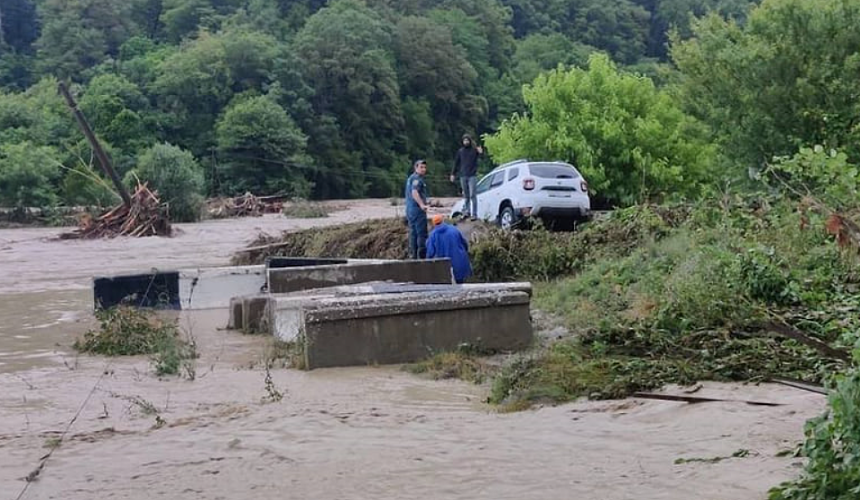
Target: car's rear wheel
pixel 507 217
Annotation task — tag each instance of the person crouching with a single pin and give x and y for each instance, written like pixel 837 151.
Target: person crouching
pixel 447 241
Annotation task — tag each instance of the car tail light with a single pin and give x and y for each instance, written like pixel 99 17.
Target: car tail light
pixel 584 186
pixel 528 184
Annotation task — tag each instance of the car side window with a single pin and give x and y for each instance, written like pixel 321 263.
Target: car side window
pixel 483 185
pixel 513 173
pixel 498 180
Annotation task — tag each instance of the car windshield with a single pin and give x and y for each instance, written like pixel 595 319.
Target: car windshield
pixel 553 171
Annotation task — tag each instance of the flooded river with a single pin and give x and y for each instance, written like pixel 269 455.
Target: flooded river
pixel 352 433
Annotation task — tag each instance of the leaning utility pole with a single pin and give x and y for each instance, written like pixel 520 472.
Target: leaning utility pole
pixel 97 147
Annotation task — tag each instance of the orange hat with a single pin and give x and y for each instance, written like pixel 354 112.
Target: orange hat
pixel 437 219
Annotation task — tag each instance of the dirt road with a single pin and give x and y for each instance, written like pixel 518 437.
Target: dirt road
pixel 338 433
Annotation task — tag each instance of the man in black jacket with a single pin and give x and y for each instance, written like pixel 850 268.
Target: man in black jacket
pixel 466 167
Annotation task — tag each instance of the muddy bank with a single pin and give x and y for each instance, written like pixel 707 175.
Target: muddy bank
pixel 336 433
pixel 374 432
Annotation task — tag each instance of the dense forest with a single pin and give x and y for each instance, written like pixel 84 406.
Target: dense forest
pixel 651 98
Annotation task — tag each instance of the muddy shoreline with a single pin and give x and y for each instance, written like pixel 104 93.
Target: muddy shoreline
pixel 336 433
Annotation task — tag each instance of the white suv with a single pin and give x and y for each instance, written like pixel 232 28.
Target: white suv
pixel 551 190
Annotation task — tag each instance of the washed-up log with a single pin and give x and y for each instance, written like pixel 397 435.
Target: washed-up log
pixel 795 334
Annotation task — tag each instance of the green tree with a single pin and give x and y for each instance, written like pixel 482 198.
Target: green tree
pixel 536 16
pixel 430 66
pixel 19 27
pixel 631 141
pixel 261 149
pixel 182 18
pixel 345 49
pixel 37 115
pixel 194 85
pixel 147 16
pixel 788 77
pixel 619 27
pixel 79 34
pixel 677 15
pixel 82 186
pixel 27 174
pixel 117 109
pixel 177 177
pixel 542 52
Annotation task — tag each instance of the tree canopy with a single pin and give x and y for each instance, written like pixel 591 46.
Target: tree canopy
pixel 651 98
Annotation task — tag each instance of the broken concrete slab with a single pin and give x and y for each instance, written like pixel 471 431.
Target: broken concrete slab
pixel 151 290
pixel 195 288
pixel 278 262
pixel 247 314
pixel 201 288
pixel 431 271
pixel 398 328
pixel 213 287
pixel 235 320
pixel 393 287
pixel 279 302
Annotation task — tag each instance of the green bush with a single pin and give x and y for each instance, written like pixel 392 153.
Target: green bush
pixel 27 175
pixel 129 331
pixel 689 302
pixel 178 178
pixel 832 447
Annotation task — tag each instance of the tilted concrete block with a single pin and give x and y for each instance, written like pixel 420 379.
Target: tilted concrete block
pixel 403 327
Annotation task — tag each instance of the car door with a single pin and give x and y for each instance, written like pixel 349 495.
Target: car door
pixel 481 190
pixel 488 201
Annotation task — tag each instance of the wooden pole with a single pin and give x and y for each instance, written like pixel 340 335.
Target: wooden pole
pixel 104 161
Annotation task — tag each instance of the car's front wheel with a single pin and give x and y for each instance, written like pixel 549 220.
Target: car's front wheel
pixel 507 217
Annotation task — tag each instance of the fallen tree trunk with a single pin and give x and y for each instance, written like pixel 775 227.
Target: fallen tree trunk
pixel 795 334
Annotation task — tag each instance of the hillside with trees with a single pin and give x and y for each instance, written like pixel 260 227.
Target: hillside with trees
pixel 307 97
pixel 652 99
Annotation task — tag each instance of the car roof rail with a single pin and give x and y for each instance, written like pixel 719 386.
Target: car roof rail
pixel 514 162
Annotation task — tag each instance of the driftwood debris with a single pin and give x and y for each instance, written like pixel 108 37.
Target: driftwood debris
pixel 145 217
pixel 246 205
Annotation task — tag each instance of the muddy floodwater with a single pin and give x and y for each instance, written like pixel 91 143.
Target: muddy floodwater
pixel 356 433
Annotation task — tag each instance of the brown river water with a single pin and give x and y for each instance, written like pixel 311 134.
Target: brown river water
pixel 351 433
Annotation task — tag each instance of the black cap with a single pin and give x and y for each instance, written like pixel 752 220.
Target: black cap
pixel 419 162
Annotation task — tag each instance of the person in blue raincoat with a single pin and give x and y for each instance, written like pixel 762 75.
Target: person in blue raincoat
pixel 447 241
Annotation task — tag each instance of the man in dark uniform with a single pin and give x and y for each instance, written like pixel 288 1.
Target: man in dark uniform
pixel 416 210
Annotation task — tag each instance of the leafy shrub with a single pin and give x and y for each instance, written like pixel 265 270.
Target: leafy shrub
pixel 832 447
pixel 178 178
pixel 128 331
pixel 27 174
pixel 826 173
